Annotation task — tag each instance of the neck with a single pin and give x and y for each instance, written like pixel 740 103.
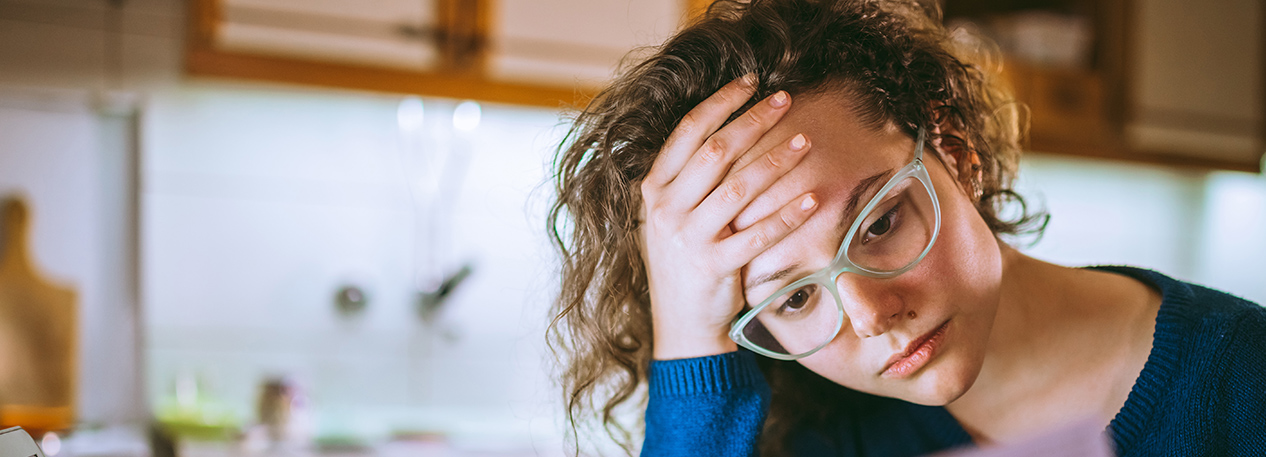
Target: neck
pixel 1050 343
pixel 1027 319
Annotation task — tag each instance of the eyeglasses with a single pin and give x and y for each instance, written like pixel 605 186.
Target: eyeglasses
pixel 891 234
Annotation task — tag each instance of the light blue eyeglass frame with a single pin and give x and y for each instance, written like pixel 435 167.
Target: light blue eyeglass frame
pixel 826 277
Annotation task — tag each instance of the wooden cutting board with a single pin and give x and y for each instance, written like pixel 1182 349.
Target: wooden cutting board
pixel 37 334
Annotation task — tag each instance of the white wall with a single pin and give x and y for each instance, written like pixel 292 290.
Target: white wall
pixel 259 203
pixel 1195 225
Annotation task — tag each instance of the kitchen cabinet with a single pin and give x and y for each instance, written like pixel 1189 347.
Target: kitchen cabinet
pixel 1197 85
pixel 573 42
pixel 533 52
pixel 1158 81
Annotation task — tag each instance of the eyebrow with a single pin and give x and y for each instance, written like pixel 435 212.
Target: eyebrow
pixel 854 198
pixel 780 274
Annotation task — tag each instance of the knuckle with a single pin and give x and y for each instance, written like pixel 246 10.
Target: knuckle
pixel 713 151
pixel 729 96
pixel 772 161
pixel 788 221
pixel 755 118
pixel 733 191
pixel 759 240
pixel 655 218
pixel 735 95
pixel 687 124
pixel 648 190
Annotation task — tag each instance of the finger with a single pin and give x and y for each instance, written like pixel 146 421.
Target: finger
pixel 740 248
pixel 713 160
pixel 740 188
pixel 697 125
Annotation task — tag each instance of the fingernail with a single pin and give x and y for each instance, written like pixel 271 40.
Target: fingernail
pixel 798 142
pixel 779 99
pixel 749 79
pixel 808 203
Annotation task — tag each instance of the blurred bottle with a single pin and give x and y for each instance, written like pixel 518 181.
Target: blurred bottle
pixel 284 414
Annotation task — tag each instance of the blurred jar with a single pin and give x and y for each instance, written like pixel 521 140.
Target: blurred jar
pixel 284 413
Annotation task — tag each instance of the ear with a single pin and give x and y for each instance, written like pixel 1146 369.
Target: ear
pixel 958 155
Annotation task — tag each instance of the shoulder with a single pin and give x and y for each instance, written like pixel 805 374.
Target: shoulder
pixel 1237 386
pixel 1226 308
pixel 1193 310
pixel 1221 373
pixel 1209 328
pixel 1221 325
pixel 1232 339
pixel 1204 384
pixel 1243 360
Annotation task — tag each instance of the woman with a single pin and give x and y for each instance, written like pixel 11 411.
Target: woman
pixel 821 183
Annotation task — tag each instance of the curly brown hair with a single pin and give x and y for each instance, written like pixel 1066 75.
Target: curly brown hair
pixel 900 67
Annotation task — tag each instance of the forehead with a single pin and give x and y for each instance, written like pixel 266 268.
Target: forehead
pixel 844 150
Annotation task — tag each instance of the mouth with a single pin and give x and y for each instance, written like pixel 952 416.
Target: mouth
pixel 916 355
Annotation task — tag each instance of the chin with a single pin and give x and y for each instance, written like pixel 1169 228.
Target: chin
pixel 940 382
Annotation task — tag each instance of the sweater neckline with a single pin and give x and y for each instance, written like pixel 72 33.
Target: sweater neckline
pixel 1176 297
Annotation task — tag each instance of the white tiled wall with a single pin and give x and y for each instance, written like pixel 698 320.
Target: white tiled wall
pixel 259 204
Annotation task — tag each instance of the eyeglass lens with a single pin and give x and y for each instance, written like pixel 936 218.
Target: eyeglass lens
pixel 893 235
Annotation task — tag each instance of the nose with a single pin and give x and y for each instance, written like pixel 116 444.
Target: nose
pixel 870 308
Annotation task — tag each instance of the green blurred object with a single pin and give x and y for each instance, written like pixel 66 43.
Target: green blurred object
pixel 193 415
pixel 197 425
pixel 343 444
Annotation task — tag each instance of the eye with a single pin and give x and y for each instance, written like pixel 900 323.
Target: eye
pixel 797 300
pixel 883 225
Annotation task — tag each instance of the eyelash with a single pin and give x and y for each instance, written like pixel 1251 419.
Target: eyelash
pixel 808 290
pixel 890 216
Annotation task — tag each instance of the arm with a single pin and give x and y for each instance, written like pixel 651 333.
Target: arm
pixel 705 406
pixel 705 399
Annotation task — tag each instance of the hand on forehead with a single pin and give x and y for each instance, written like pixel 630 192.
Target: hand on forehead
pixel 843 152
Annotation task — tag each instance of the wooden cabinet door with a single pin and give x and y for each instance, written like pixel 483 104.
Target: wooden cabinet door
pixel 566 42
pixel 529 52
pixel 1198 80
pixel 386 33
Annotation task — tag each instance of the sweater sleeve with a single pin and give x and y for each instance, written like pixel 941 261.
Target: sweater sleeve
pixel 712 406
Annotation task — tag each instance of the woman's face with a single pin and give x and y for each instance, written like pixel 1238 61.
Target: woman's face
pixel 956 284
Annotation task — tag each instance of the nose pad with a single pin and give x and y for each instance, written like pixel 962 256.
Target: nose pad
pixel 870 308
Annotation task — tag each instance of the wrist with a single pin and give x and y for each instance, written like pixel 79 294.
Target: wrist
pixel 683 345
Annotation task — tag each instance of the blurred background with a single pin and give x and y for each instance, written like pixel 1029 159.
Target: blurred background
pixel 275 227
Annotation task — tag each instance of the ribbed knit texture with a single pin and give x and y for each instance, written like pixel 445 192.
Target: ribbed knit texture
pixel 706 406
pixel 1202 391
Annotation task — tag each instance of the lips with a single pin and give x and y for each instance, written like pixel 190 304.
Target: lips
pixel 916 354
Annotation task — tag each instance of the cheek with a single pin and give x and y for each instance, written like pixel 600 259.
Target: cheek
pixel 966 258
pixel 962 279
pixel 844 363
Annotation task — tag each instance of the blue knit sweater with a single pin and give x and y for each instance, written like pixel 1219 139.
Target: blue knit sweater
pixel 1201 392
